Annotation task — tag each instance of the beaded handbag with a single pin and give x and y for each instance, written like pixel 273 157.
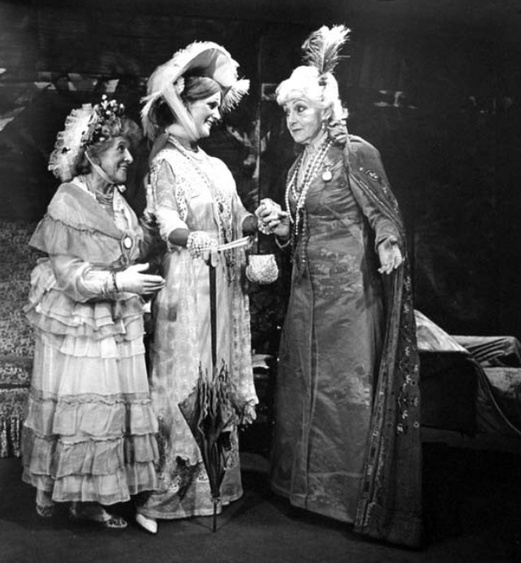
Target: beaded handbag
pixel 262 268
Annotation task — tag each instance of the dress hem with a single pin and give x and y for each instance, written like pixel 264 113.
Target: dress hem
pixel 199 513
pixel 311 507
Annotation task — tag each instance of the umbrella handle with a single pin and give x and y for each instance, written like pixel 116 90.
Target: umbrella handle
pixel 213 315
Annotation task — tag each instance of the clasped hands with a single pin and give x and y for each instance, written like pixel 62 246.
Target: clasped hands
pixel 390 255
pixel 271 219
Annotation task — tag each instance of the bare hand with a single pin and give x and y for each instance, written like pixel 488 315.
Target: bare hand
pixel 133 281
pixel 281 226
pixel 390 255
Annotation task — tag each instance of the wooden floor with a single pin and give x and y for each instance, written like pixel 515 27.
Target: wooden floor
pixel 472 506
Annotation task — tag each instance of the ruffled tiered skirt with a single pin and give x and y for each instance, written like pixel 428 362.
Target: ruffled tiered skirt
pixel 90 433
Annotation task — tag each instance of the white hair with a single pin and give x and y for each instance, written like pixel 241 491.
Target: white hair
pixel 322 90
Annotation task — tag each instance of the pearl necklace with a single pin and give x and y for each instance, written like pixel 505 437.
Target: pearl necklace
pixel 309 175
pixel 224 214
pixel 105 198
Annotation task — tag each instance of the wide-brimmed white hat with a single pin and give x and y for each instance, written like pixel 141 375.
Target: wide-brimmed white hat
pixel 199 58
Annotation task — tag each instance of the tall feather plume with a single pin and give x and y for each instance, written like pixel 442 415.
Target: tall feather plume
pixel 322 48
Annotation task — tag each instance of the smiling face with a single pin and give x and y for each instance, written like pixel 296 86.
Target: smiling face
pixel 205 113
pixel 303 119
pixel 116 159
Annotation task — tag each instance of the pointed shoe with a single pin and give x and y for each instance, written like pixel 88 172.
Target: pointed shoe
pixel 148 524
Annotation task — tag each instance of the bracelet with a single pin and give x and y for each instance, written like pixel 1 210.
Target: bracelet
pixel 262 227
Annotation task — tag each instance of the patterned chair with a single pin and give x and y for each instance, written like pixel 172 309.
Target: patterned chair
pixel 16 339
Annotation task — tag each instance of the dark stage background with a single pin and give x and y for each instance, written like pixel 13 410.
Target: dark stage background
pixel 434 85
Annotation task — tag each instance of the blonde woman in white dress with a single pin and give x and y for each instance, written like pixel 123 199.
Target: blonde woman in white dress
pixel 195 202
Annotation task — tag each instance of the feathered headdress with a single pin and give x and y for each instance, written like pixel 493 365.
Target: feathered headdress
pixel 315 79
pixel 83 127
pixel 167 82
pixel 322 48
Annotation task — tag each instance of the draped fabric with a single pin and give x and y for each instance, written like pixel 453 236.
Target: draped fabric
pixel 346 440
pixel 390 496
pixel 89 430
pixel 197 192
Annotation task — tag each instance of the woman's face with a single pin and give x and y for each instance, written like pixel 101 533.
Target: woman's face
pixel 116 159
pixel 303 119
pixel 205 113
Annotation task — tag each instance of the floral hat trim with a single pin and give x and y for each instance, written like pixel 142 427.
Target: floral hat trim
pixel 84 127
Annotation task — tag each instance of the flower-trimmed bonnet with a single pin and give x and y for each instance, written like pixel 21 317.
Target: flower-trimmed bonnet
pixel 84 127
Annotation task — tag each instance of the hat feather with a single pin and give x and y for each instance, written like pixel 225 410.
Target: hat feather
pixel 234 95
pixel 205 58
pixel 322 48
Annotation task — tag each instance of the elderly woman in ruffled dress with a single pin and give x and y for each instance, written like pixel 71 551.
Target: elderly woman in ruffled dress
pixel 347 437
pixel 195 202
pixel 89 434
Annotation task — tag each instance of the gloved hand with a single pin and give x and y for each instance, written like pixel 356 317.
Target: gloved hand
pixel 133 280
pixel 202 245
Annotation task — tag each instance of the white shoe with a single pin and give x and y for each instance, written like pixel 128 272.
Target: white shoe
pixel 148 524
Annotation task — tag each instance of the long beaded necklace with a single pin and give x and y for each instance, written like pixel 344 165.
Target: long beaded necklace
pixel 224 210
pixel 223 206
pixel 309 175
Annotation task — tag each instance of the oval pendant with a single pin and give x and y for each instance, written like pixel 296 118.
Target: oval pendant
pixel 127 243
pixel 326 176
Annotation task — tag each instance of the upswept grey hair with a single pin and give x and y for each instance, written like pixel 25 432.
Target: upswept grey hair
pixel 321 90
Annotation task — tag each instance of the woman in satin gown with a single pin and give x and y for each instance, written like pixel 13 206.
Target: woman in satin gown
pixel 346 440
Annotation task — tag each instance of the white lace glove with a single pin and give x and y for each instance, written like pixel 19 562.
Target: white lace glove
pixel 201 245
